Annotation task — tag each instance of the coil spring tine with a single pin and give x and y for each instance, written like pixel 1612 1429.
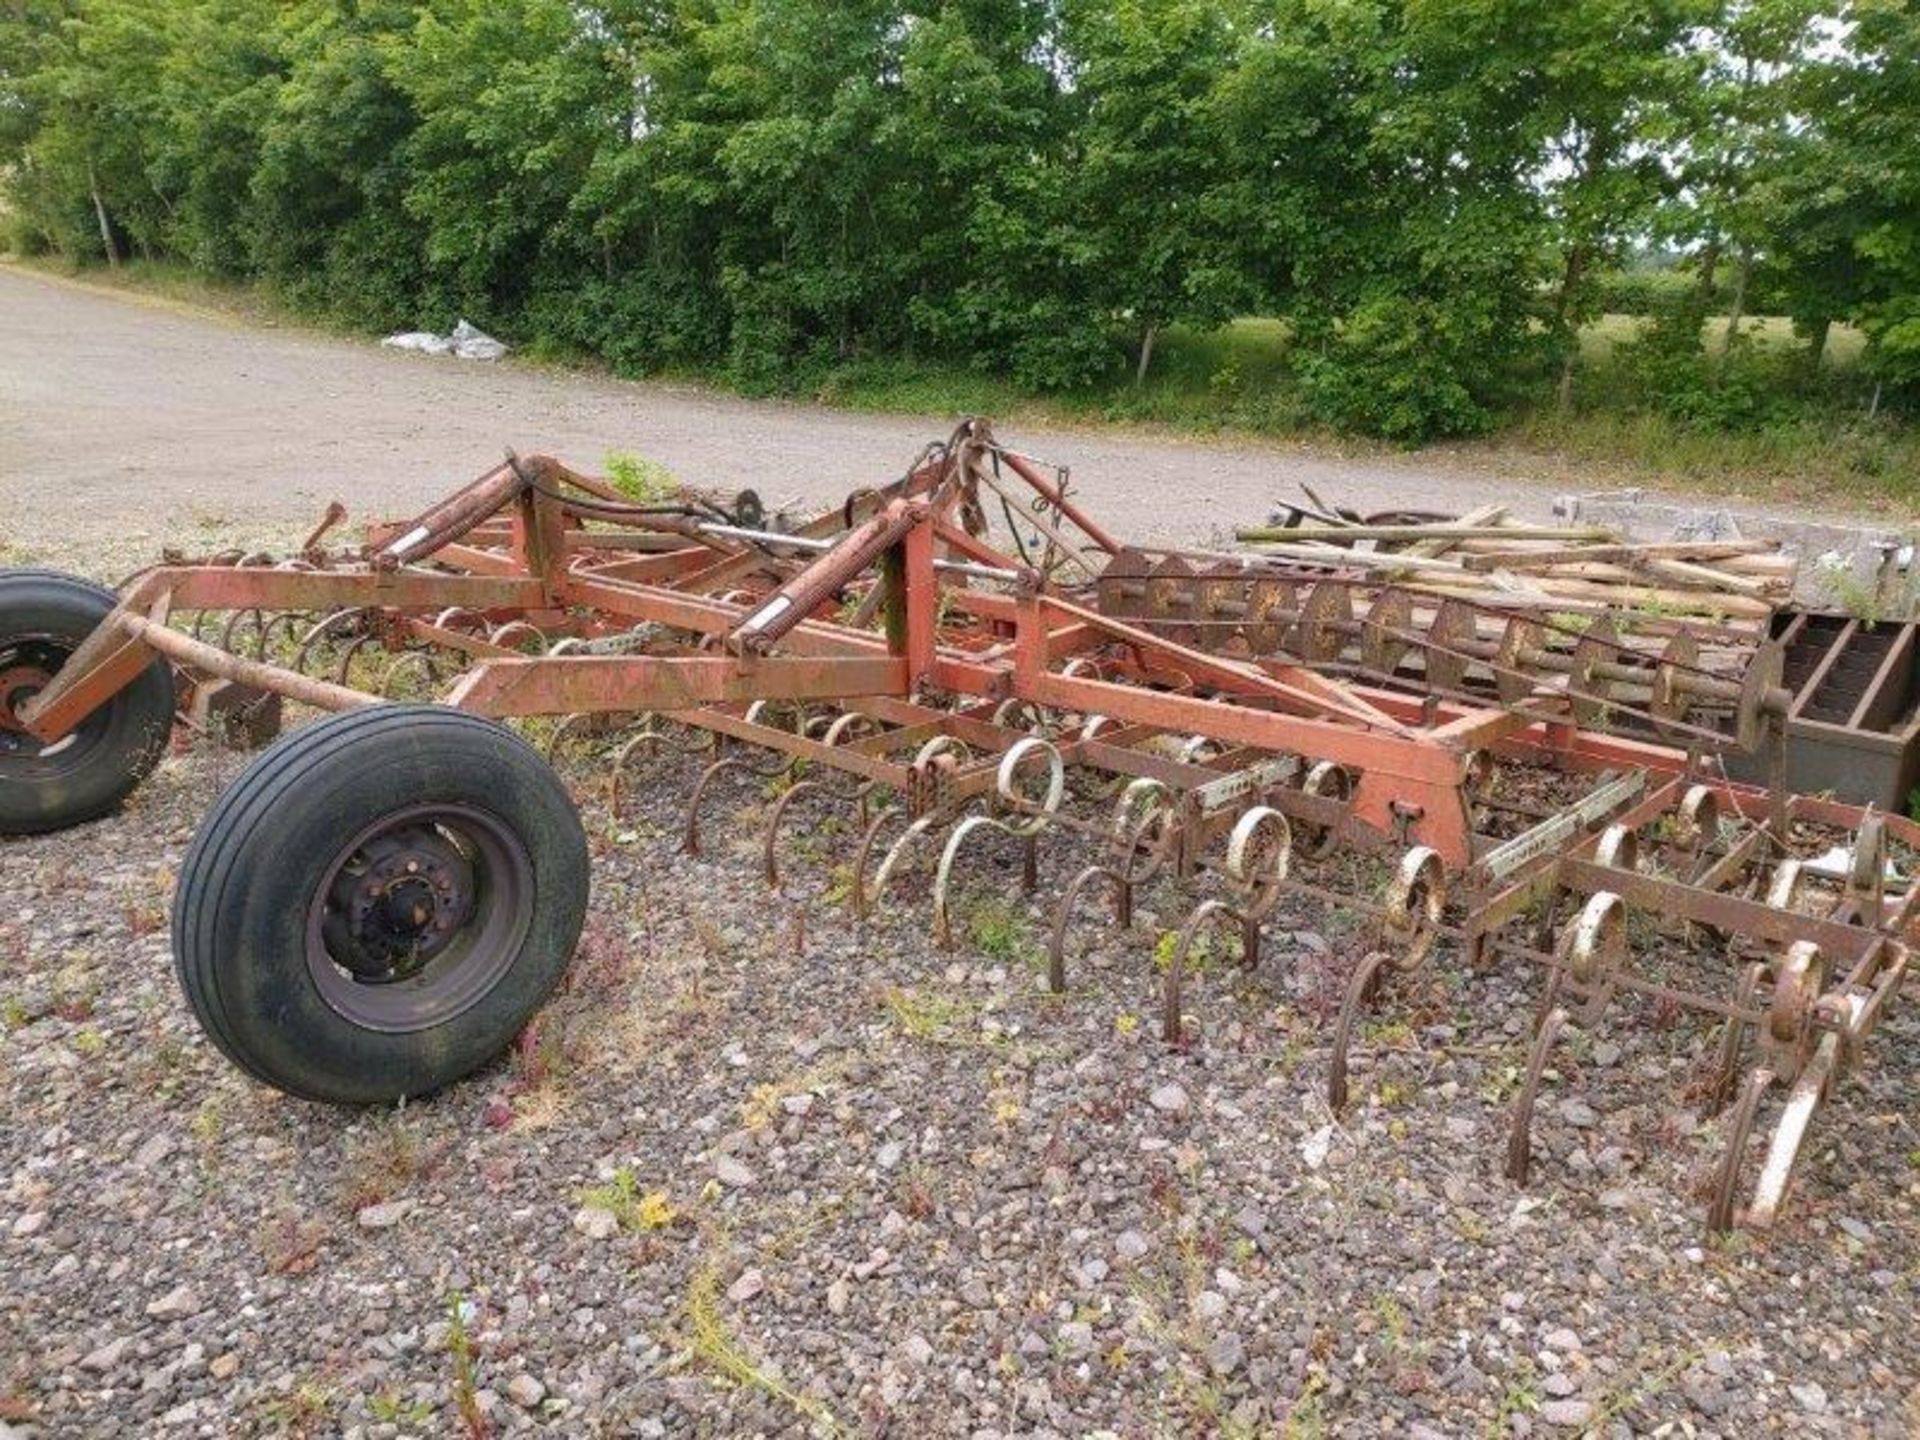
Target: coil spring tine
pixel 1057 944
pixel 1361 986
pixel 769 849
pixel 1726 1065
pixel 867 898
pixel 1171 1029
pixel 1026 831
pixel 1722 1209
pixel 649 739
pixel 690 836
pixel 1520 1127
pixel 320 629
pixel 354 646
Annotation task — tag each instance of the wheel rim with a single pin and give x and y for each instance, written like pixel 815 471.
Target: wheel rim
pixel 27 664
pixel 419 916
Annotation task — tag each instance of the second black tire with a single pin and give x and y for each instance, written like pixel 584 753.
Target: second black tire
pixel 44 616
pixel 323 868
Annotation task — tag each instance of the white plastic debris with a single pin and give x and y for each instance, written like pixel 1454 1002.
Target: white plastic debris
pixel 465 341
pixel 1317 1146
pixel 472 343
pixel 424 340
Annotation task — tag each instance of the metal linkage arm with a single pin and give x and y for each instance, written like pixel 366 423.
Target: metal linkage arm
pixel 794 601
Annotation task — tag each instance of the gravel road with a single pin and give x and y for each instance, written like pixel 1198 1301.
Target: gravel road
pixel 762 1169
pixel 124 423
pixel 870 1187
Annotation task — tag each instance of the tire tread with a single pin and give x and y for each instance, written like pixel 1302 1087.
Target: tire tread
pixel 233 828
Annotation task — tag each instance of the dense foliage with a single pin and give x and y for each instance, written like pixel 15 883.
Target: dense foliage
pixel 1436 195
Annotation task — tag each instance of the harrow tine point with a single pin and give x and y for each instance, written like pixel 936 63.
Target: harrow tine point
pixel 1723 1208
pixel 1810 1090
pixel 1360 988
pixel 1520 1129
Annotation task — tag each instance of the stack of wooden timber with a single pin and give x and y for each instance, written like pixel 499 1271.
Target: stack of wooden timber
pixel 1487 556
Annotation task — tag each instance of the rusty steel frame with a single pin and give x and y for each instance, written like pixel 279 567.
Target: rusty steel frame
pixel 992 674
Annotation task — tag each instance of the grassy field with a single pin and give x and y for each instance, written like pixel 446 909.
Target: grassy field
pixel 1600 340
pixel 1235 382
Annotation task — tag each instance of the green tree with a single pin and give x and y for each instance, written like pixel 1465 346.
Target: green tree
pixel 329 224
pixel 1149 165
pixel 1394 152
pixel 86 101
pixel 1872 123
pixel 1616 79
pixel 515 98
pixel 1736 145
pixel 1006 272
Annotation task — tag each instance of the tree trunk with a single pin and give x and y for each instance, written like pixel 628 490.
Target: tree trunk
pixel 1709 263
pixel 107 242
pixel 1146 354
pixel 1817 345
pixel 1735 312
pixel 1570 273
pixel 1562 311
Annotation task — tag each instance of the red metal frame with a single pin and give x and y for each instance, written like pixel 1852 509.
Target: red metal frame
pixel 969 637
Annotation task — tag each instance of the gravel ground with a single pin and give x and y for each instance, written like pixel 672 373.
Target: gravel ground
pixel 764 1170
pixel 732 1187
pixel 126 423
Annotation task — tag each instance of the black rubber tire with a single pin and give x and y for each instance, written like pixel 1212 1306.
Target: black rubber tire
pixel 262 854
pixel 113 749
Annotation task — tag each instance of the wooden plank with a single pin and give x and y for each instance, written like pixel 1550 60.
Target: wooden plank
pixel 1489 558
pixel 1426 532
pixel 1445 540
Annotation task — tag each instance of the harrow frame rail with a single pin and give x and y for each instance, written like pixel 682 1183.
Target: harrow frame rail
pixel 1252 719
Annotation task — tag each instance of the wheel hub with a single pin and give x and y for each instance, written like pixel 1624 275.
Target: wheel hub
pixel 399 901
pixel 19 683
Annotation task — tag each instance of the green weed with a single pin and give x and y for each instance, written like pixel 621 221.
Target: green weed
pixel 636 1210
pixel 643 481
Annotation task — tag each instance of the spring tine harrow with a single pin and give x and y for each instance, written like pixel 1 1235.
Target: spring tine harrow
pixel 1544 784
